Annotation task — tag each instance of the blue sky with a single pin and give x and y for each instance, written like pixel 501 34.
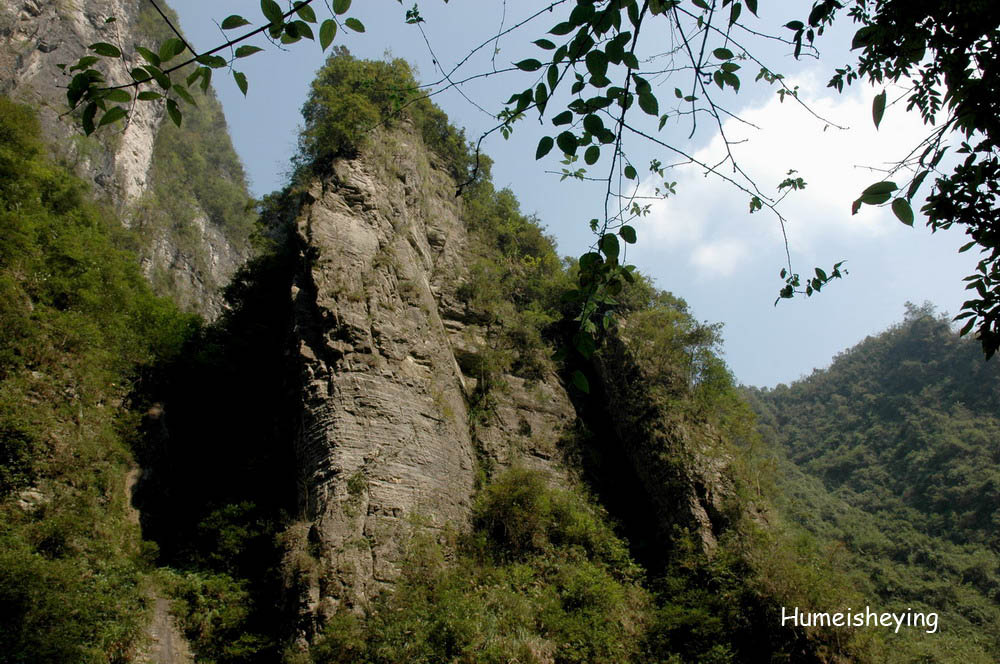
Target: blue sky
pixel 701 243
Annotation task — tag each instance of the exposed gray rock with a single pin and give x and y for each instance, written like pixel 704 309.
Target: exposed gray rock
pixel 386 444
pixel 35 36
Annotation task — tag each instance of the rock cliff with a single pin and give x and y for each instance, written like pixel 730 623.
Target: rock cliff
pixel 189 256
pixel 386 442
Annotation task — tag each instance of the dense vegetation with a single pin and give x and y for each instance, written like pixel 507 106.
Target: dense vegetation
pixel 80 327
pixel 541 577
pixel 523 586
pixel 350 98
pixel 892 452
pixel 888 482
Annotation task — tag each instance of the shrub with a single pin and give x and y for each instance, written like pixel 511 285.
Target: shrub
pixel 349 98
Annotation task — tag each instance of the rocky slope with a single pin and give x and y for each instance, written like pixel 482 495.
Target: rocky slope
pixel 188 257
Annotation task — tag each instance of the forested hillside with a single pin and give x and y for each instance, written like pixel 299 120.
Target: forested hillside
pixel 79 328
pixel 893 453
pixel 393 444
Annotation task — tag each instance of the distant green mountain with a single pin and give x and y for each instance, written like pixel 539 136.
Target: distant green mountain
pixel 894 452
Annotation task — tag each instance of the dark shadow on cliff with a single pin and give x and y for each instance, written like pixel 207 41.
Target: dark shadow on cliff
pixel 218 465
pixel 706 607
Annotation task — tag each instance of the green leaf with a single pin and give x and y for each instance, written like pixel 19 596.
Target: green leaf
pixel 302 29
pixel 582 13
pixel 341 6
pixel 272 12
pixel 563 118
pixel 171 48
pixel 723 53
pixel 630 172
pixel 592 154
pixel 874 199
pixel 627 233
pixel 184 94
pixel 194 76
pixel 161 79
pixel 597 63
pixel 88 118
pixel 584 344
pixel 544 147
pixel 609 245
pixel 355 24
pixel 593 124
pixel 84 62
pixel 580 382
pixel 234 21
pixel 245 51
pixel 734 13
pixel 150 57
pixel 541 97
pixel 106 49
pixel 552 76
pixel 884 187
pixel 752 6
pixel 903 211
pixel 305 12
pixel 567 142
pixel 562 29
pixel 206 78
pixel 528 65
pixel 114 113
pixel 241 81
pixel 149 95
pixel 915 185
pixel 213 61
pixel 174 112
pixel 648 103
pixel 327 31
pixel 863 36
pixel 118 96
pixel 544 43
pixel 878 108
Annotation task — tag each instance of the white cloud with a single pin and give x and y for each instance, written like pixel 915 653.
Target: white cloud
pixel 707 226
pixel 721 258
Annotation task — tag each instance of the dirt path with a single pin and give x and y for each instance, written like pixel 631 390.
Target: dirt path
pixel 166 643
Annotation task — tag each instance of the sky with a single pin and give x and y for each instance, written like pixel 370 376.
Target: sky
pixel 701 243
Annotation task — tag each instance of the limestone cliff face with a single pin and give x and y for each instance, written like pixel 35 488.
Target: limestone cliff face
pixel 385 440
pixel 35 36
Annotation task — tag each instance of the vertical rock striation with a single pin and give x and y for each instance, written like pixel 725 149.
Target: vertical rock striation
pixel 385 442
